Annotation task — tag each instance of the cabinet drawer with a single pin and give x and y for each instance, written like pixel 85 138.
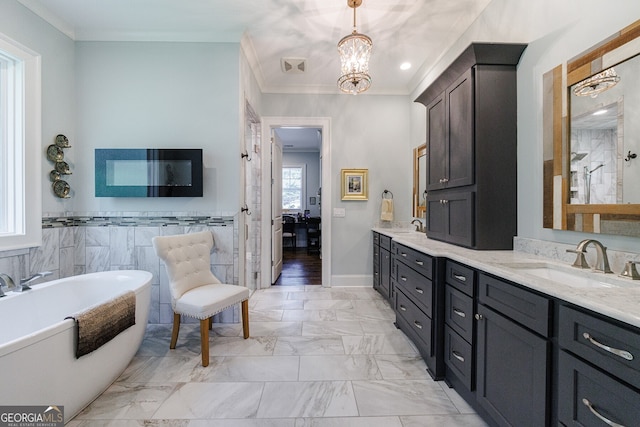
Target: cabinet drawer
pixel 385 242
pixel 527 308
pixel 461 277
pixel 417 321
pixel 420 262
pixel 589 396
pixel 376 254
pixel 601 342
pixel 415 286
pixel 458 312
pixel 458 356
pixel 376 239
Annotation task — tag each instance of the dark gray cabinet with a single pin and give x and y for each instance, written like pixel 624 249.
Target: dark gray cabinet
pixel 459 309
pixel 471 146
pixel 418 303
pixel 382 265
pixel 450 216
pixel 513 353
pixel 598 370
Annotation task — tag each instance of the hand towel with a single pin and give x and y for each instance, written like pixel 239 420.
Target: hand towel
pixel 386 211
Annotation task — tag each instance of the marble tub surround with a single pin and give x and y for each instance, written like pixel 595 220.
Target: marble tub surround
pixel 619 302
pixel 78 243
pixel 359 372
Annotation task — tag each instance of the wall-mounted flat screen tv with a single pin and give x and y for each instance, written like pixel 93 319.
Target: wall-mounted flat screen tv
pixel 148 172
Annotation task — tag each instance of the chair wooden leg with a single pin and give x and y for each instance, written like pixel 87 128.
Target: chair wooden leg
pixel 204 341
pixel 174 332
pixel 245 318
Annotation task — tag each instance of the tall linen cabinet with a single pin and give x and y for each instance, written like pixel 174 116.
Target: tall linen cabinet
pixel 471 148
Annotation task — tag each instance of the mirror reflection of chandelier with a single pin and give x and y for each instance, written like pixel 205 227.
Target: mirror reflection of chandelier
pixel 597 83
pixel 355 51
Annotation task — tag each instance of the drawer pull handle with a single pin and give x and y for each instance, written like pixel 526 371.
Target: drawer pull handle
pixel 478 316
pixel 457 356
pixel 419 262
pixel 420 291
pixel 460 278
pixel 403 308
pixel 459 312
pixel 403 254
pixel 621 353
pixel 594 412
pixel 404 279
pixel 418 324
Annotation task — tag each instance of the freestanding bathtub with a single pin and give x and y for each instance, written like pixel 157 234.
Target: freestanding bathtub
pixel 37 345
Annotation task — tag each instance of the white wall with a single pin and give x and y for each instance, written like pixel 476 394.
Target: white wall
pixel 159 95
pixel 556 31
pixel 370 132
pixel 58 90
pixel 311 161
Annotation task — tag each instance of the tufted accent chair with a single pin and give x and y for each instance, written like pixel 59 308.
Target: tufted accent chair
pixel 195 291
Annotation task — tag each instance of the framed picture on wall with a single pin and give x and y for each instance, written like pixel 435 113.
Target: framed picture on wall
pixel 354 184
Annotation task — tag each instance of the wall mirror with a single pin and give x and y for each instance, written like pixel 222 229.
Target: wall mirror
pixel 420 181
pixel 591 138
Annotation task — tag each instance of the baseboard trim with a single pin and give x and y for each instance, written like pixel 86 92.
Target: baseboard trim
pixel 352 280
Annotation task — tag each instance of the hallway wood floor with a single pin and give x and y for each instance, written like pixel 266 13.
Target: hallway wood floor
pixel 299 268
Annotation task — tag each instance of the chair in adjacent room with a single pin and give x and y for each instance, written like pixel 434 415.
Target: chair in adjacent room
pixel 289 231
pixel 313 235
pixel 195 291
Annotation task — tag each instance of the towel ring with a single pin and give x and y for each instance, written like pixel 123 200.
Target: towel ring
pixel 387 192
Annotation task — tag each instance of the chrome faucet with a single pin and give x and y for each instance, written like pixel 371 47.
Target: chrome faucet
pixel 602 262
pixel 419 225
pixel 6 284
pixel 24 283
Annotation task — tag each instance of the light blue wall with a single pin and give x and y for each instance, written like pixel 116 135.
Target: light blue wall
pixel 58 89
pixel 160 95
pixel 367 132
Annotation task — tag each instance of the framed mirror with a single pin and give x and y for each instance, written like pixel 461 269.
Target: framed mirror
pixel 591 138
pixel 420 181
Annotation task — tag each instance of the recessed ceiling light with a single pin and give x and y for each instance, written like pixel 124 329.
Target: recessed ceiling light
pixel 405 66
pixel 599 112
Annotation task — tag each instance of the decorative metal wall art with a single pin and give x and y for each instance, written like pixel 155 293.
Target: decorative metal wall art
pixel 55 153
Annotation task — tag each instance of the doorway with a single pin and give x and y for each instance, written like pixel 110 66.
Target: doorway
pixel 283 125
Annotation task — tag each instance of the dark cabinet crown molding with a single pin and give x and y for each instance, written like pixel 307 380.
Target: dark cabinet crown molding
pixel 476 54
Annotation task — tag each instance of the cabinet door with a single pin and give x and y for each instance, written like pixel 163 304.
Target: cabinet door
pixel 459 121
pixel 512 377
pixel 385 272
pixel 460 218
pixel 436 144
pixel 450 217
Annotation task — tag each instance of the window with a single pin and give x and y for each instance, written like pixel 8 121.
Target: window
pixel 293 184
pixel 20 133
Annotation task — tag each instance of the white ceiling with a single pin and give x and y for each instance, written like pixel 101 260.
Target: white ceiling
pixel 417 31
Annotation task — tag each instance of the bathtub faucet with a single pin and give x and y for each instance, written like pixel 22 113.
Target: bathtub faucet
pixel 24 283
pixel 6 284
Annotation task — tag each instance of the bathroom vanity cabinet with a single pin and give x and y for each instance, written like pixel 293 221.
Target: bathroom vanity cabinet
pixel 598 370
pixel 471 148
pixel 418 303
pixel 519 355
pixel 382 265
pixel 513 353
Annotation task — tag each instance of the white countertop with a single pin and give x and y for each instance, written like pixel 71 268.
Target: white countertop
pixel 619 302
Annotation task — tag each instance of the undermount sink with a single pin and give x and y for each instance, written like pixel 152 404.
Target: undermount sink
pixel 568 275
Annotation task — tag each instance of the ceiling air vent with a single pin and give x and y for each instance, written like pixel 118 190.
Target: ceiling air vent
pixel 293 65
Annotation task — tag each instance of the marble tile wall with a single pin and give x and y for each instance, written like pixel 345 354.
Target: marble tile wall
pixel 87 244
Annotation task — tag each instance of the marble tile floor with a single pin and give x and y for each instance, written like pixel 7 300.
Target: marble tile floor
pixel 317 357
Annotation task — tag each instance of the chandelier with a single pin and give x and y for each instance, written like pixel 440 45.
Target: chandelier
pixel 597 84
pixel 355 50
